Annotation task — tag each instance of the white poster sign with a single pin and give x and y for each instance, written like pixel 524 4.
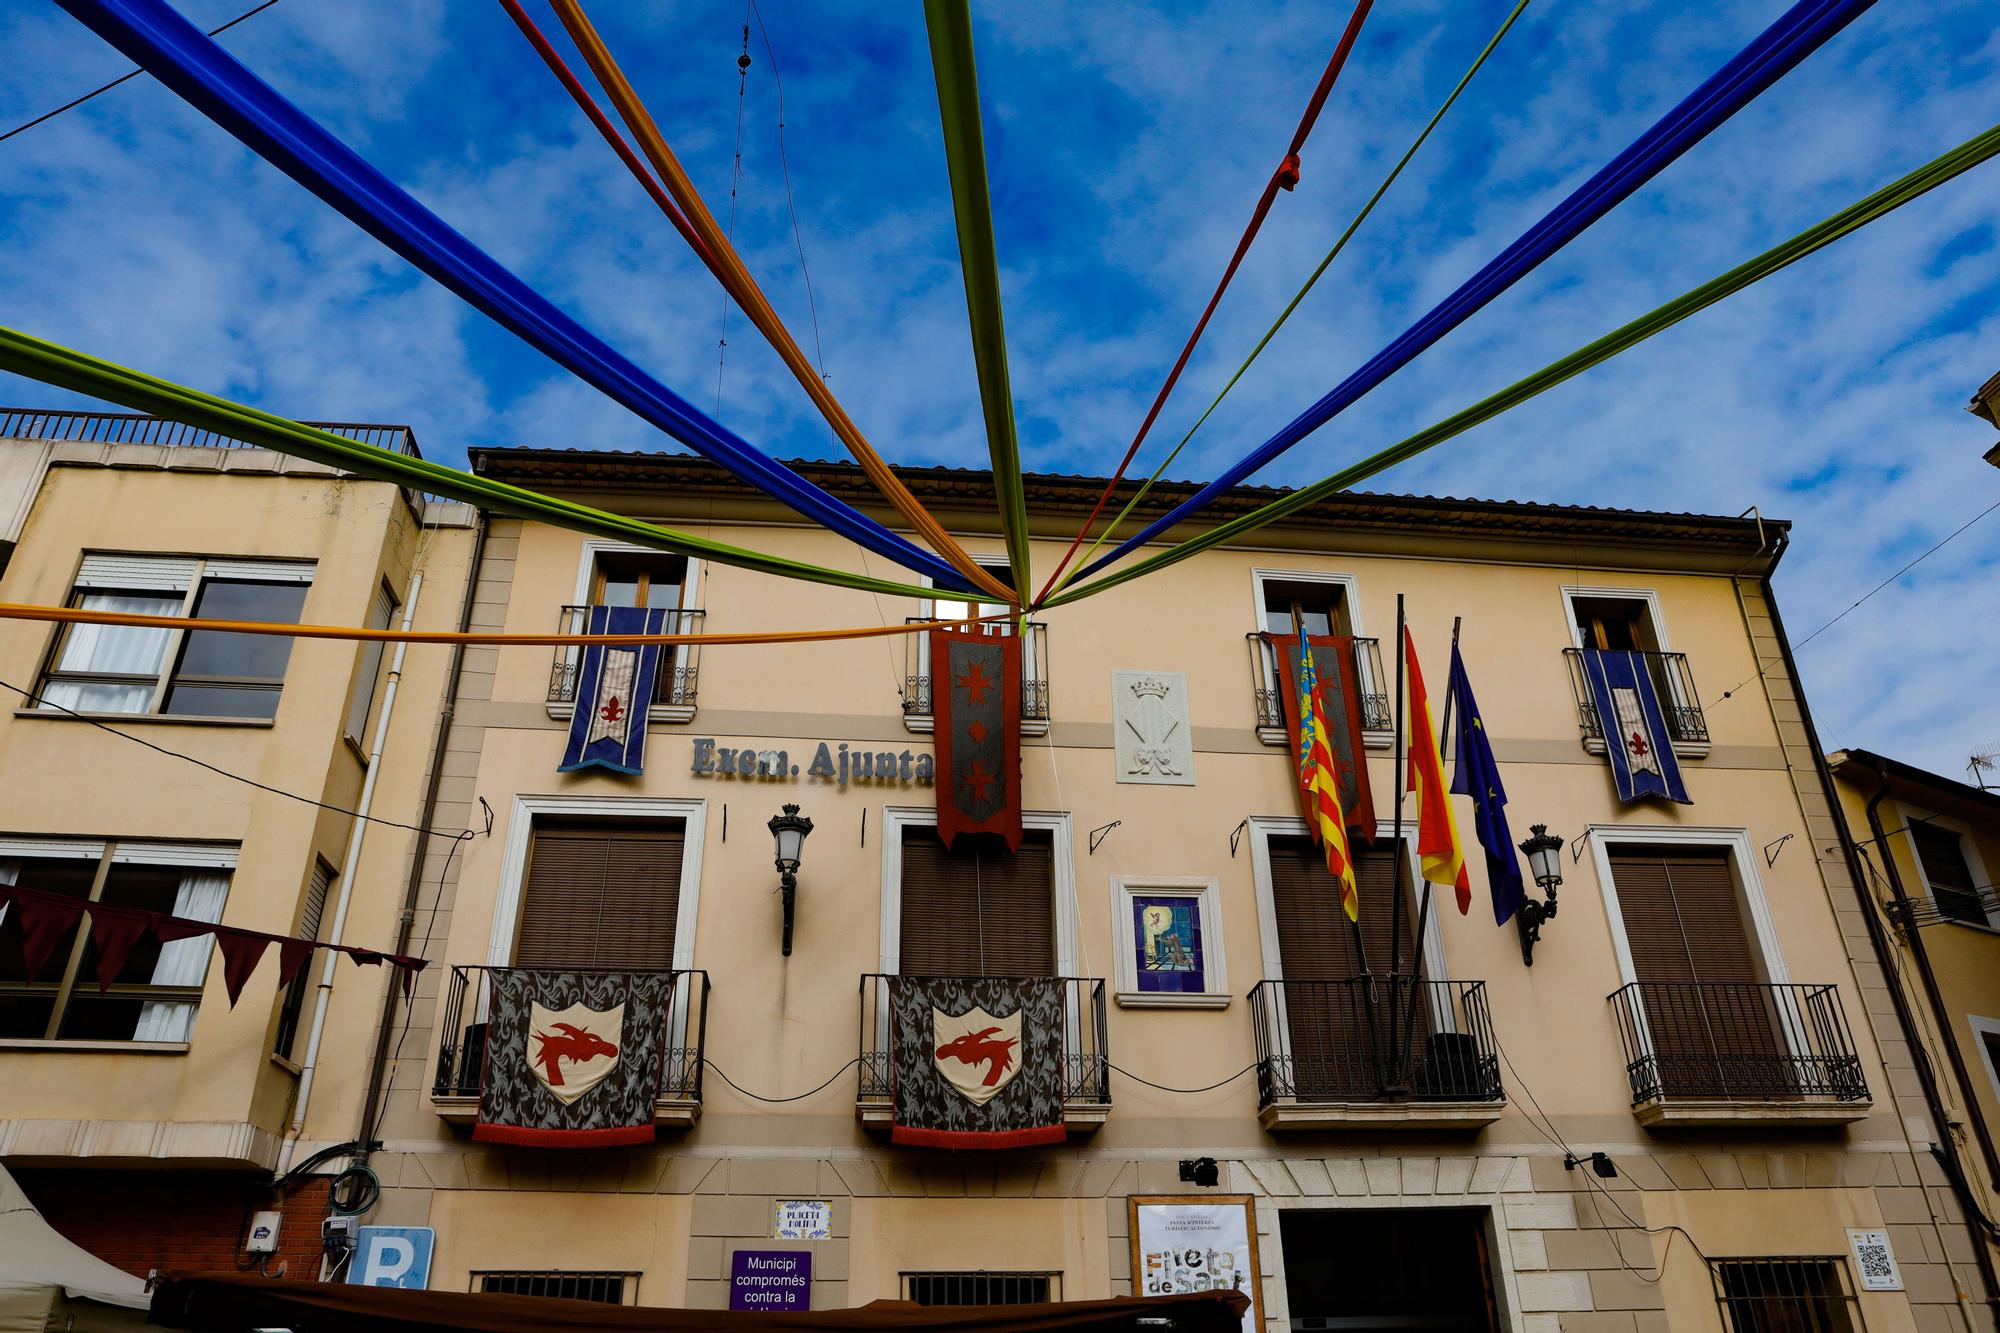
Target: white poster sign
pixel 1875 1260
pixel 1196 1243
pixel 802 1219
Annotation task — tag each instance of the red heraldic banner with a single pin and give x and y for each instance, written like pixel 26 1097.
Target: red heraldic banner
pixel 976 701
pixel 1340 704
pixel 573 1059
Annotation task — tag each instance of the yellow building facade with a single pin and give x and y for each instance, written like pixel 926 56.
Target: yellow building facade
pixel 1705 1016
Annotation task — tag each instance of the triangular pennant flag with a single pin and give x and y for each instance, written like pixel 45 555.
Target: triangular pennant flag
pixel 364 957
pixel 167 929
pixel 114 930
pixel 408 976
pixel 293 954
pixel 241 951
pixel 45 919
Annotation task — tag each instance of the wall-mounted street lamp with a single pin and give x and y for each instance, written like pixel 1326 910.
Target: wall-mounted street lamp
pixel 1544 852
pixel 789 831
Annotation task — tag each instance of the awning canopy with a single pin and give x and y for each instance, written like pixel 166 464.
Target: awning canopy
pixel 38 1268
pixel 237 1303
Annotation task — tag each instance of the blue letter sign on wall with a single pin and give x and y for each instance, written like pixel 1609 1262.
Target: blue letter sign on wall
pixel 392 1257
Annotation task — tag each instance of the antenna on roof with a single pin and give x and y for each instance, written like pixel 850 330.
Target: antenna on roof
pixel 1984 761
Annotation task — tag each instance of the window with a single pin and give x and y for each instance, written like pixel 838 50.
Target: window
pixel 601 895
pixel 310 917
pixel 627 577
pixel 1785 1295
pixel 639 578
pixel 1321 608
pixel 917 687
pixel 604 1288
pixel 1363 1268
pixel 1941 856
pixel 154 995
pixel 977 909
pixel 206 673
pixel 982 1288
pixel 1614 623
pixel 362 702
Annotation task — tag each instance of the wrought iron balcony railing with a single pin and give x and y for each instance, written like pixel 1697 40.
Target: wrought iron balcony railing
pixel 1086 1058
pixel 20 423
pixel 462 1039
pixel 1386 1038
pixel 1034 669
pixel 1718 1041
pixel 680 664
pixel 1680 705
pixel 1377 710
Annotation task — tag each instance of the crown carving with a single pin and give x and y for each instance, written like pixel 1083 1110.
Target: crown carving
pixel 1156 686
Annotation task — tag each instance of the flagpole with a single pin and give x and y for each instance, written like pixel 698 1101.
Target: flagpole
pixel 1399 779
pixel 1424 904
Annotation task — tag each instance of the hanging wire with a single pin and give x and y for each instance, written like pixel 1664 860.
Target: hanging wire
pixel 735 181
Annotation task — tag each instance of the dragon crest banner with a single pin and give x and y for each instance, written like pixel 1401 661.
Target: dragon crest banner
pixel 977 1061
pixel 573 1059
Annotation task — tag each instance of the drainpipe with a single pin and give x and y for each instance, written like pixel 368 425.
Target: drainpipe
pixel 1923 961
pixel 1981 1248
pixel 406 920
pixel 349 864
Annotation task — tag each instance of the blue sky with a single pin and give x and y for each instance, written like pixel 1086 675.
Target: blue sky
pixel 1126 145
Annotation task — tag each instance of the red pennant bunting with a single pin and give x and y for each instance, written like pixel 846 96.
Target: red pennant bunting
pixel 167 929
pixel 241 951
pixel 45 919
pixel 114 930
pixel 365 957
pixel 293 954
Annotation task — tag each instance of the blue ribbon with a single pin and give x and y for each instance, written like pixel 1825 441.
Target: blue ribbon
pixel 1801 31
pixel 159 40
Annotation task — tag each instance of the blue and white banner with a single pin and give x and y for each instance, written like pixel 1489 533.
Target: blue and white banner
pixel 1636 740
pixel 614 688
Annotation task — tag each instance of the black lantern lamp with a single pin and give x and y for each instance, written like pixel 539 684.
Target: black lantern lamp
pixel 1544 851
pixel 789 831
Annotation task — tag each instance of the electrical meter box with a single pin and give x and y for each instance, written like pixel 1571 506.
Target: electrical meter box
pixel 263 1237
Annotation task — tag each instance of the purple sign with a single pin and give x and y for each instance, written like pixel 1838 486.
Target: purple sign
pixel 770 1280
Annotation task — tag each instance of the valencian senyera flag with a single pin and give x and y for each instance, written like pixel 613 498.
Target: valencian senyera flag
pixel 976 1061
pixel 1441 859
pixel 1476 773
pixel 614 688
pixel 976 705
pixel 1339 694
pixel 1319 788
pixel 1636 740
pixel 573 1059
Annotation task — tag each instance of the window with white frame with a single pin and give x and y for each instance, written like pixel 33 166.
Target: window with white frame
pixel 362 702
pixel 1951 869
pixel 203 673
pixel 917 684
pixel 617 575
pixel 154 995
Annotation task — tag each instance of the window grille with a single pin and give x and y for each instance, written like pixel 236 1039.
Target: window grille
pixel 1804 1295
pixel 981 1288
pixel 604 1288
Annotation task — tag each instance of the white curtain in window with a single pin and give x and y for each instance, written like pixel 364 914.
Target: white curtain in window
pixel 184 962
pixel 114 649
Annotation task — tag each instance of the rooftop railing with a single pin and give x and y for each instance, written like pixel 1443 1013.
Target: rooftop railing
pixel 20 423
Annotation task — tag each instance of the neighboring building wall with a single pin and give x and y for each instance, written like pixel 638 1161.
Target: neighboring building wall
pixel 153 1221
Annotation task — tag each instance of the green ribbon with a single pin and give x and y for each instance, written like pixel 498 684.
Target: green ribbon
pixel 950 25
pixel 51 363
pixel 1279 323
pixel 1851 219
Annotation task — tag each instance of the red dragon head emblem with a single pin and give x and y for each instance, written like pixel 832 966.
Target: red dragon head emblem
pixel 575 1044
pixel 982 1047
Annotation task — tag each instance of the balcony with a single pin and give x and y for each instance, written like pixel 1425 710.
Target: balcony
pixel 673 687
pixel 1086 1060
pixel 1383 1052
pixel 1738 1053
pixel 462 1049
pixel 1680 705
pixel 1378 718
pixel 19 423
pixel 917 714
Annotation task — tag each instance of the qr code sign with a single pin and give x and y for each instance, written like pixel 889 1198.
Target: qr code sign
pixel 1876 1260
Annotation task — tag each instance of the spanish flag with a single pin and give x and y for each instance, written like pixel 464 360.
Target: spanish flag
pixel 1321 788
pixel 1437 832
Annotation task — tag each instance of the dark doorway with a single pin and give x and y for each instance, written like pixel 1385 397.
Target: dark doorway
pixel 1395 1268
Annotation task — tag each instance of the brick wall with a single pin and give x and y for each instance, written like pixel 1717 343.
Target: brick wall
pixel 141 1221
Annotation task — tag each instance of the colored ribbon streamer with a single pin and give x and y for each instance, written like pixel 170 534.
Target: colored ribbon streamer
pixel 72 615
pixel 51 363
pixel 712 244
pixel 950 26
pixel 1146 487
pixel 1285 177
pixel 1924 179
pixel 1777 50
pixel 157 38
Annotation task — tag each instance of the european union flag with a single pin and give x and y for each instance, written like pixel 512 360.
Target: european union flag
pixel 1475 773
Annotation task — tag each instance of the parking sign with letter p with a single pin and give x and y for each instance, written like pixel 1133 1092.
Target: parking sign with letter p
pixel 392 1257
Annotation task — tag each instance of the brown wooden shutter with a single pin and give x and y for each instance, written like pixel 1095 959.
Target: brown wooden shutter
pixel 978 910
pixel 600 896
pixel 1315 938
